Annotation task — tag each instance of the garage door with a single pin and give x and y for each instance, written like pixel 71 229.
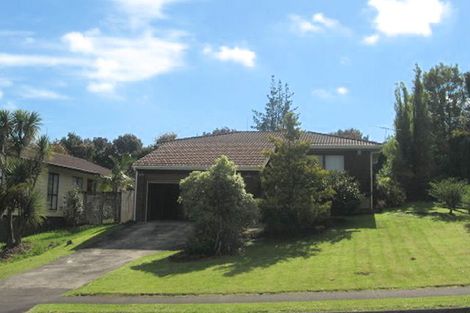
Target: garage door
pixel 162 203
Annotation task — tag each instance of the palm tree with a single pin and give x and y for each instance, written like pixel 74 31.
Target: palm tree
pixel 119 180
pixel 21 163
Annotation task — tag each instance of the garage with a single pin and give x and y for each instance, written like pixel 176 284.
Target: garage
pixel 162 202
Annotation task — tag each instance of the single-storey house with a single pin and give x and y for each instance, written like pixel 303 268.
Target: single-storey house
pixel 158 174
pixel 63 173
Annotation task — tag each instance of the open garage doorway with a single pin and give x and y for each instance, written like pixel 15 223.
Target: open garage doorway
pixel 162 202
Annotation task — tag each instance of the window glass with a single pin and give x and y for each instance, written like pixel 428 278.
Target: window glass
pixel 77 182
pixel 334 162
pixel 53 191
pixel 91 186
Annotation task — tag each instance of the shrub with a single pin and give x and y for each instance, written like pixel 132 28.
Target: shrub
pixel 296 198
pixel 74 211
pixel 219 206
pixel 347 197
pixel 448 192
pixel 389 192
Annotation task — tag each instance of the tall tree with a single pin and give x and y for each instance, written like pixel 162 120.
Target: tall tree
pixel 422 149
pixel 78 147
pixel 103 151
pixel 401 164
pixel 128 144
pixel 351 133
pixel 448 107
pixel 278 105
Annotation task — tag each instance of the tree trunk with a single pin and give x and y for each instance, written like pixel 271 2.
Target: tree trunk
pixel 11 240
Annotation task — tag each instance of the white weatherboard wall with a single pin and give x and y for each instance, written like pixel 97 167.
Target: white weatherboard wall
pixel 66 183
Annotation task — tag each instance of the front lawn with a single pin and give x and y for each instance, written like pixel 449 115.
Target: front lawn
pixel 317 306
pixel 402 249
pixel 47 247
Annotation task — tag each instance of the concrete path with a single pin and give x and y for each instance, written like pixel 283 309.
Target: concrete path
pixel 109 252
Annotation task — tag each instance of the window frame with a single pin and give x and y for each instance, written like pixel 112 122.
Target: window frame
pixel 75 180
pixel 53 195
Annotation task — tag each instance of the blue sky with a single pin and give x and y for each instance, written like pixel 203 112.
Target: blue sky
pixel 108 67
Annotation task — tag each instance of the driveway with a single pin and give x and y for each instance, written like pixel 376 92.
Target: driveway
pixel 109 252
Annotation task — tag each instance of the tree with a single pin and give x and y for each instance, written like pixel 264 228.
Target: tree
pixel 77 147
pixel 448 108
pixel 351 133
pixel 422 149
pixel 103 150
pixel 296 198
pixel 448 192
pixel 278 105
pixel 400 154
pixel 127 144
pixel 166 137
pixel 221 209
pixel 220 131
pixel 21 163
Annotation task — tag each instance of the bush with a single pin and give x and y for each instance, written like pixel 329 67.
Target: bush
pixel 74 211
pixel 219 206
pixel 448 192
pixel 389 193
pixel 348 194
pixel 296 196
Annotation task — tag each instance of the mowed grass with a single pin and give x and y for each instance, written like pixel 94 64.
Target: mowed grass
pixel 318 306
pixel 49 246
pixel 417 246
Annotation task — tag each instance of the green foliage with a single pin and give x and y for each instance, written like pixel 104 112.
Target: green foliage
pixel 347 194
pixel 74 211
pixel 296 198
pixel 351 133
pixel 278 105
pixel 220 131
pixel 166 137
pixel 219 206
pixel 21 162
pixel 389 193
pixel 448 192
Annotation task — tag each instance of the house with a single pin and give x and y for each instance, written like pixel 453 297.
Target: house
pixel 158 173
pixel 63 173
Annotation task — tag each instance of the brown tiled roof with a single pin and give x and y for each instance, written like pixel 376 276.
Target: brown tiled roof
pixel 71 162
pixel 246 149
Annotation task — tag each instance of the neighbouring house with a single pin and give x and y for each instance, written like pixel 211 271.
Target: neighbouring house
pixel 63 173
pixel 158 174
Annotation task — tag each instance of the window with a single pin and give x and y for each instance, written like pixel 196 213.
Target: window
pixel 334 162
pixel 91 186
pixel 77 182
pixel 53 191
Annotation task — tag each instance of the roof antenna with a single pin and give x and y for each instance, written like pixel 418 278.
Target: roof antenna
pixel 386 130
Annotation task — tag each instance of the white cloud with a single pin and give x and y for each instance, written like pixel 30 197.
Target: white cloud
pixel 5 82
pixel 27 92
pixel 406 17
pixel 141 12
pixel 20 60
pixel 1 95
pixel 371 40
pixel 330 94
pixel 100 87
pixel 122 59
pixel 316 24
pixel 245 57
pixel 342 90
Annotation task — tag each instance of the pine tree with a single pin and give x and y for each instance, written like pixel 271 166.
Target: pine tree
pixel 278 105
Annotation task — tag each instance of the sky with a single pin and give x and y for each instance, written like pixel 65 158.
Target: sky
pixel 109 67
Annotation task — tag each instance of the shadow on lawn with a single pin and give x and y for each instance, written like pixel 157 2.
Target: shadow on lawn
pixel 263 252
pixel 428 209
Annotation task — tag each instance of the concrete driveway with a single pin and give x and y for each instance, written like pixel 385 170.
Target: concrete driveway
pixel 20 292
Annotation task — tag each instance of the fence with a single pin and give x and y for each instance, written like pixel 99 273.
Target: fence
pixel 109 207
